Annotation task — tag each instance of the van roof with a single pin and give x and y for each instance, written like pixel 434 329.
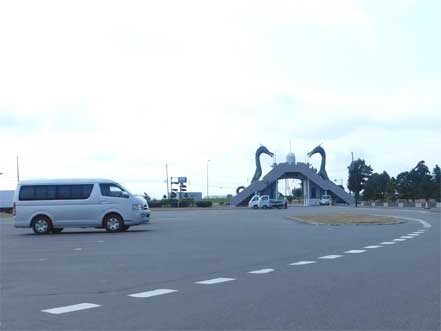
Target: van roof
pixel 64 181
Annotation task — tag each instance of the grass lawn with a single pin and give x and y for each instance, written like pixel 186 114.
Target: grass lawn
pixel 343 218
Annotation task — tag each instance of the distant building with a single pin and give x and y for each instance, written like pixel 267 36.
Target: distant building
pixel 6 198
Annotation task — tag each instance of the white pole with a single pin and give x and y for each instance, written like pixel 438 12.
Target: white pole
pixel 18 171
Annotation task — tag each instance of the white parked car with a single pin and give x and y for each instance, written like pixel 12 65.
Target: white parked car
pixel 49 206
pixel 325 200
pixel 264 202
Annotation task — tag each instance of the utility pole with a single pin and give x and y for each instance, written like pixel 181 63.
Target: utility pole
pixel 18 171
pixel 207 177
pixel 166 175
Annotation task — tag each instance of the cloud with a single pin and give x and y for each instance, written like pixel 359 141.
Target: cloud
pixel 113 89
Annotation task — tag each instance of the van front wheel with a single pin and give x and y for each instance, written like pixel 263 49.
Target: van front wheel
pixel 113 223
pixel 41 225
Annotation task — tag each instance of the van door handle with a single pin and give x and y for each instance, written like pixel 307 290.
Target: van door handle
pixel 103 201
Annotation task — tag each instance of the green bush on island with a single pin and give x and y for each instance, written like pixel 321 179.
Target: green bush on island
pixel 204 203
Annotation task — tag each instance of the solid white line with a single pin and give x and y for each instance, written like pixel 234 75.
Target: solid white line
pixel 424 223
pixel 330 257
pixel 68 309
pixel 372 247
pixel 388 243
pixel 153 293
pixel 355 251
pixel 215 281
pixel 302 262
pixel 399 239
pixel 261 271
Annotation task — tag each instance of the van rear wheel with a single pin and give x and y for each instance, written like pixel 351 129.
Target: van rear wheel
pixel 42 225
pixel 113 223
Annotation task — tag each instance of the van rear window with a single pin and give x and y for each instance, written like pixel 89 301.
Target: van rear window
pixel 55 192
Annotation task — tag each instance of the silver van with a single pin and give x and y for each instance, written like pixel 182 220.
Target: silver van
pixel 49 206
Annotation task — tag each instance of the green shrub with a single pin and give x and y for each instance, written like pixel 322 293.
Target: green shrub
pixel 204 203
pixel 173 203
pixel 185 203
pixel 155 203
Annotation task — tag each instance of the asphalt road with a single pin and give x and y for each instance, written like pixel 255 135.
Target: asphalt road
pixel 148 277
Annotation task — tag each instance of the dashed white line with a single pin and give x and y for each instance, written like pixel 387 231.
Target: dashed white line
pixel 68 309
pixel 355 251
pixel 302 263
pixel 388 243
pixel 215 281
pixel 153 293
pixel 373 246
pixel 77 249
pixel 261 271
pixel 330 257
pixel 399 239
pixel 406 237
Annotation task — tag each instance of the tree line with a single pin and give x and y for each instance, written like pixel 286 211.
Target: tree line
pixel 417 183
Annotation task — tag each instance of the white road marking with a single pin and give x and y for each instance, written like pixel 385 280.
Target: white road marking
pixel 330 257
pixel 424 223
pixel 68 309
pixel 261 271
pixel 77 249
pixel 406 237
pixel 388 243
pixel 43 259
pixel 215 281
pixel 372 247
pixel 153 293
pixel 399 239
pixel 302 262
pixel 355 251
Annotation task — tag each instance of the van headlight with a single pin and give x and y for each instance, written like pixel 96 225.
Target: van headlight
pixel 136 206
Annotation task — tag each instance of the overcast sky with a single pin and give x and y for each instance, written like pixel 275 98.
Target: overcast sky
pixel 117 89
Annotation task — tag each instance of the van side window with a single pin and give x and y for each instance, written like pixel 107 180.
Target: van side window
pixel 74 192
pixel 55 192
pixel 26 193
pixel 111 190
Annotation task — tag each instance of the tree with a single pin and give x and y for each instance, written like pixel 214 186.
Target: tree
pixel 436 178
pixel 359 173
pixel 404 185
pixel 417 183
pixel 421 179
pixel 377 186
pixel 297 193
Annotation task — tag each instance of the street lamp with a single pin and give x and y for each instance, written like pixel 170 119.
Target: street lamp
pixel 207 177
